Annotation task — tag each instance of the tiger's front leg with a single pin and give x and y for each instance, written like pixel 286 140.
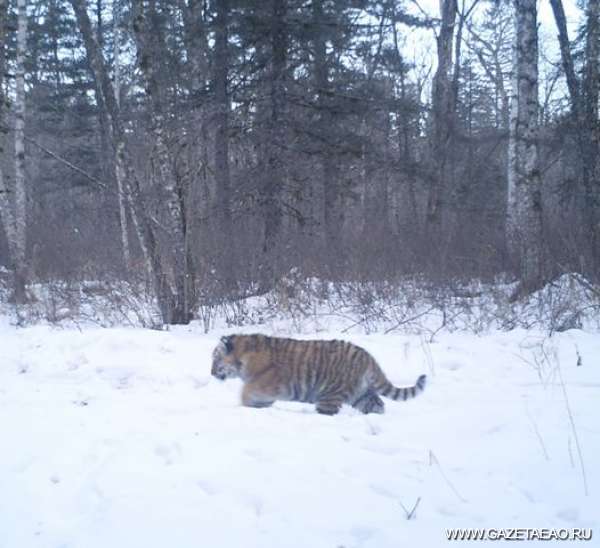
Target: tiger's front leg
pixel 253 396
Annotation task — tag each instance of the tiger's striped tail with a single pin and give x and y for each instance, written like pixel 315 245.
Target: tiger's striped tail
pixel 387 389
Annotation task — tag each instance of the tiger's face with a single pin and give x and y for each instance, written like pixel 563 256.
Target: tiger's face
pixel 225 365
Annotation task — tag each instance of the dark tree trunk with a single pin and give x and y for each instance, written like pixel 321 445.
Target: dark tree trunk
pixel 272 185
pixel 443 114
pixel 195 40
pixel 220 76
pixel 332 210
pixel 584 108
pixel 181 278
pixel 567 58
pixel 591 85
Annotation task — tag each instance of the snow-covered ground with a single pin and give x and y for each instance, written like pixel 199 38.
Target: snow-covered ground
pixel 120 438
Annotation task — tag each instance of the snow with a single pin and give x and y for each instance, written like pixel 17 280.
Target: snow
pixel 120 437
pixel 306 306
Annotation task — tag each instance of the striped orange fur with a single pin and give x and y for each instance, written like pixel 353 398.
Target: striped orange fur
pixel 326 373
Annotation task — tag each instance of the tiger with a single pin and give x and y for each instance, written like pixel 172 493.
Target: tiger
pixel 328 373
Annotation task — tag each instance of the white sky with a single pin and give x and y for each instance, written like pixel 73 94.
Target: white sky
pixel 544 11
pixel 419 47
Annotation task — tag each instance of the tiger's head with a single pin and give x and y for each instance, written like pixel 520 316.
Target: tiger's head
pixel 225 364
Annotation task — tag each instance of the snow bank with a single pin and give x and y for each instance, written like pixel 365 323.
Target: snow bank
pixel 312 306
pixel 411 307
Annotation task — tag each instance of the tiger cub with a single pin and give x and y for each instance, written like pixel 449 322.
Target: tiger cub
pixel 327 373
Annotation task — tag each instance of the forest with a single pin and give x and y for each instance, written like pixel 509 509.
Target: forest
pixel 204 150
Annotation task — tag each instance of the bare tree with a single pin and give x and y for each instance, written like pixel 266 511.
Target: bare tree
pixel 443 114
pixel 119 173
pixel 140 211
pixel 330 211
pixel 20 184
pixel 196 43
pixel 181 277
pixel 463 16
pixel 524 222
pixel 6 208
pixel 584 95
pixel 271 187
pixel 567 57
pixel 592 70
pixel 492 46
pixel 14 214
pixel 222 105
pixel 590 90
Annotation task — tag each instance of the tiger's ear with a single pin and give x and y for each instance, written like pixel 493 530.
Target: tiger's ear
pixel 227 343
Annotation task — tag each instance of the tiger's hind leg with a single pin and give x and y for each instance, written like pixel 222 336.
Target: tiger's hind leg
pixel 369 402
pixel 329 405
pixel 330 401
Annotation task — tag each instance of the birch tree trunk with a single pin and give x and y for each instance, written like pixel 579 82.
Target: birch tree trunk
pixel 512 221
pixel 14 215
pixel 524 220
pixel 119 174
pixel 20 213
pixel 139 210
pixel 181 277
